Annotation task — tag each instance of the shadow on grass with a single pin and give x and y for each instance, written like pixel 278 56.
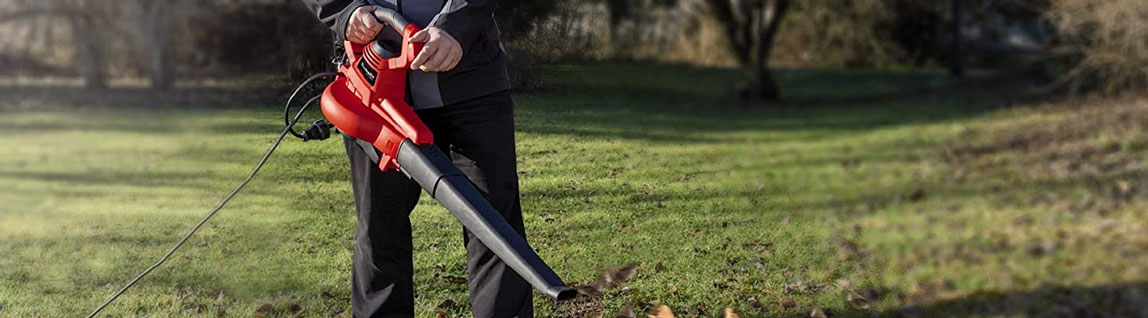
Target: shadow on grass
pixel 1115 300
pixel 66 97
pixel 681 104
pixel 108 178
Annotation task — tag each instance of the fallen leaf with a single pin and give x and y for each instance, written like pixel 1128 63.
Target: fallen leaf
pixel 701 309
pixel 753 302
pixel 620 274
pixel 787 303
pixel 592 289
pixel 441 314
pixel 856 300
pixel 265 308
pixel 447 304
pixel 1124 188
pixel 661 311
pixel 454 279
pixel 756 264
pixel 1042 247
pixel 626 312
pixel 729 313
pixel 916 195
pixel 817 312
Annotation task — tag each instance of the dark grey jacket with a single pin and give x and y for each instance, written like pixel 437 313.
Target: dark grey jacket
pixel 481 71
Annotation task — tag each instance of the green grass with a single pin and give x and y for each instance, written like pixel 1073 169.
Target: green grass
pixel 887 180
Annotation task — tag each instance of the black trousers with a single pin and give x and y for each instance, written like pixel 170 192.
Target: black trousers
pixel 478 134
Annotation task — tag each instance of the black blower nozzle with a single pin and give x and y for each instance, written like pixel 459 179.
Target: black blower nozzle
pixel 434 172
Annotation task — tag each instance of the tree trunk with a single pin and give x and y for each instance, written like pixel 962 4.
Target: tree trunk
pixel 957 62
pixel 90 56
pixel 751 28
pixel 157 40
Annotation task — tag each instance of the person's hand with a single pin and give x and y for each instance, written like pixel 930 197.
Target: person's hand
pixel 440 53
pixel 362 25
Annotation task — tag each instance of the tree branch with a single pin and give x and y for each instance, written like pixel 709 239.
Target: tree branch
pixel 31 13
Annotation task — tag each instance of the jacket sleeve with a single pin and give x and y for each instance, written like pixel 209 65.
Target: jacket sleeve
pixel 465 20
pixel 335 13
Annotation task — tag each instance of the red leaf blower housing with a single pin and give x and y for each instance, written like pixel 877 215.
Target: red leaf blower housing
pixel 367 101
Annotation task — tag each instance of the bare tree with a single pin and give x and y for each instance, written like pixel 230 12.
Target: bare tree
pixel 750 27
pixel 157 39
pixel 80 15
pixel 90 57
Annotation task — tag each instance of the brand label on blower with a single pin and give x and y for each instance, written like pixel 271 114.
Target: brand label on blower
pixel 368 73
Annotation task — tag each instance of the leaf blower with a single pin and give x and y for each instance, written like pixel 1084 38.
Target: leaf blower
pixel 367 100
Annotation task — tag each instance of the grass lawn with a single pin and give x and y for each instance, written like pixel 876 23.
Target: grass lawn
pixel 925 196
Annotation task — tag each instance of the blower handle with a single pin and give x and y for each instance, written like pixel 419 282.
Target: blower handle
pixel 392 18
pixel 407 49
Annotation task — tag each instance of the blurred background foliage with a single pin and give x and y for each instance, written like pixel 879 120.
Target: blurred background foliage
pixel 1073 45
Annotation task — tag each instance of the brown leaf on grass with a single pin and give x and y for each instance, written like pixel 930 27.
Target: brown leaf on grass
pixel 916 195
pixel 847 249
pixel 661 311
pixel 447 304
pixel 265 308
pixel 626 312
pixel 729 313
pixel 787 303
pixel 1123 189
pixel 454 279
pixel 856 300
pixel 817 312
pixel 1042 247
pixel 753 302
pixel 757 245
pixel 620 274
pixel 441 314
pixel 701 309
pixel 591 289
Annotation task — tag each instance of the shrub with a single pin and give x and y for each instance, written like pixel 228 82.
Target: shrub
pixel 1103 45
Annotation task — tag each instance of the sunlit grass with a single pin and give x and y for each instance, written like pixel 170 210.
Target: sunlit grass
pixel 646 164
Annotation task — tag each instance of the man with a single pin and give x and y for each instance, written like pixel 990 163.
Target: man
pixel 459 88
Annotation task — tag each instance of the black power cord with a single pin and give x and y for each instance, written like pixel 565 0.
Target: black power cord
pixel 287 129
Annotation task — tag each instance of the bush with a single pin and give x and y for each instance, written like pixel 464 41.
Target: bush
pixel 1103 45
pixel 839 33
